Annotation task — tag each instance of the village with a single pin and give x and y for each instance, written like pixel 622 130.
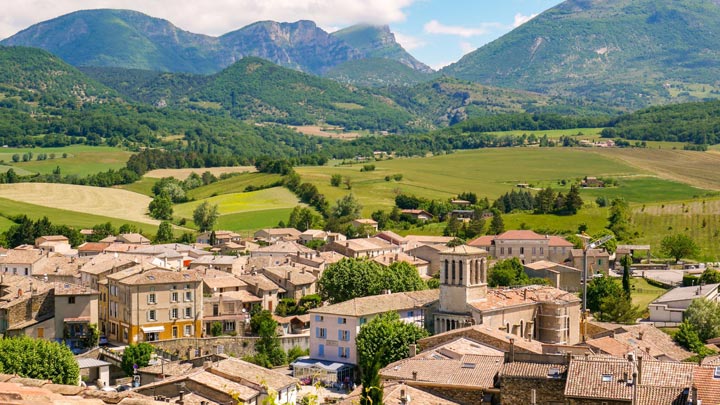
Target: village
pixel 194 304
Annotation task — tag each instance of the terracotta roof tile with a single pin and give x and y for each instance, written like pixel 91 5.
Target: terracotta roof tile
pixel 503 298
pixel 470 371
pixel 534 370
pixel 376 304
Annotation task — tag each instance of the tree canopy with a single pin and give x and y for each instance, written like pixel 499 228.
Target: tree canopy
pixel 205 216
pixel 38 358
pixel 139 354
pixel 704 316
pixel 388 333
pixel 678 246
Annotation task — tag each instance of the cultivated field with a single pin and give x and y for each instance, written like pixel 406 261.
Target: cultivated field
pixel 234 184
pixel 326 132
pixel 183 174
pixel 81 159
pixel 108 202
pixel 256 201
pixel 699 169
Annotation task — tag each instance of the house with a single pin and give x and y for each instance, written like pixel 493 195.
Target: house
pixel 263 287
pixel 297 281
pixel 364 223
pixel 668 309
pixel 542 376
pixel 418 215
pixel 592 182
pixel 459 202
pixel 293 324
pixel 228 264
pixel 417 240
pixel 224 381
pixel 132 239
pixel 59 268
pixel 221 237
pixel 55 243
pixel 395 239
pixel 21 261
pixel 333 328
pixel 76 308
pixel 421 265
pixel 598 260
pixel 170 255
pixel 560 276
pixel 317 234
pixel 543 313
pixel 430 254
pixel 219 281
pixel 463 215
pixel 399 393
pixel 27 307
pixel 154 304
pixel 231 309
pixel 525 245
pixel 461 370
pixel 362 247
pixel 92 248
pixel 280 250
pixel 272 235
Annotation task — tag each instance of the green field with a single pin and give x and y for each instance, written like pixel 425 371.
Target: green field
pixel 19 171
pixel 645 190
pixel 487 172
pixel 236 203
pixel 10 208
pixel 143 186
pixel 254 220
pixel 81 159
pixel 234 184
pixel 643 293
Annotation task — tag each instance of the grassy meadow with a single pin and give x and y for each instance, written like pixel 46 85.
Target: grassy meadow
pixel 80 160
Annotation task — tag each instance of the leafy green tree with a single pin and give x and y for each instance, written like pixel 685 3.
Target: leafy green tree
pixel 161 207
pixel 598 288
pixel 687 337
pixel 93 336
pixel 626 262
pixel 335 180
pixel 386 331
pixel 128 228
pixel 38 358
pixel 497 225
pixel 304 218
pixel 269 350
pixel 710 276
pixel 508 272
pixel 678 246
pixel 372 387
pixel 619 220
pixel 102 231
pixel 164 233
pixel 402 276
pixel 347 208
pixel 139 354
pixel 545 201
pixel 610 245
pixel 573 202
pixel 216 328
pixel 205 216
pixel 618 309
pixel 295 352
pixel 704 316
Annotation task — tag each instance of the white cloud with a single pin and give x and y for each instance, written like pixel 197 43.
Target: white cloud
pixel 409 42
pixel 522 19
pixel 435 27
pixel 214 17
pixel 467 47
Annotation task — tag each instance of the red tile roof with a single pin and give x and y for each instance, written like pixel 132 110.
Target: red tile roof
pixel 520 235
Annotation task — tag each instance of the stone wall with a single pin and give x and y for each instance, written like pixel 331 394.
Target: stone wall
pixel 519 390
pixel 237 346
pixel 39 306
pixel 459 395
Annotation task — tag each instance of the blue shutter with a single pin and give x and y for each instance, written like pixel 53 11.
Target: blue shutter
pixel 339 335
pixel 321 350
pixel 317 332
pixel 340 352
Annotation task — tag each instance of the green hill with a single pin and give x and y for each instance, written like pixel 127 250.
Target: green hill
pixel 629 53
pixel 376 72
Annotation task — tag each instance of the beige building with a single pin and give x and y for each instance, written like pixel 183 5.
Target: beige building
pixel 56 244
pixel 362 247
pixel 542 313
pixel 560 276
pixel 27 307
pixel 262 287
pixel 272 235
pixel 154 304
pixel 297 281
pixel 525 245
pixel 59 268
pixel 76 308
pixel 22 262
pixel 598 260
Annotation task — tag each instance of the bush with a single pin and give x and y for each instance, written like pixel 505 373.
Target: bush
pixel 216 328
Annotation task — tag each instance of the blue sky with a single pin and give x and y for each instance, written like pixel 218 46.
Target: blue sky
pixel 436 32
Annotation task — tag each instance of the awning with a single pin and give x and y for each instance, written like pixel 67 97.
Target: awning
pixel 322 364
pixel 153 329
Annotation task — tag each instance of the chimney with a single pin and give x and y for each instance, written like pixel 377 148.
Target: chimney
pixel 414 375
pixel 694 395
pixel 524 294
pixel 640 335
pixel 639 372
pixel 512 350
pixel 412 350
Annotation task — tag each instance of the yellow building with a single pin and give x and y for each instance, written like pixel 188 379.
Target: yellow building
pixel 154 304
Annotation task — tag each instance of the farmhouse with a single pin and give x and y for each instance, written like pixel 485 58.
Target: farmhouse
pixel 525 245
pixel 419 215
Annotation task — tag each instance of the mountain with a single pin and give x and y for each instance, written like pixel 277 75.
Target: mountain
pixel 628 53
pixel 376 72
pixel 379 42
pixel 129 39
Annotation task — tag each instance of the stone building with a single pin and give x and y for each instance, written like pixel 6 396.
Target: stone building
pixel 525 245
pixel 542 313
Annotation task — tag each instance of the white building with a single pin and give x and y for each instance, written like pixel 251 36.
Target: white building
pixel 668 309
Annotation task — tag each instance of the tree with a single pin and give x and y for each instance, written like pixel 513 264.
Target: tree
pixel 710 276
pixel 347 208
pixel 402 276
pixel 372 386
pixel 136 354
pixel 304 218
pixel 573 202
pixel 93 336
pixel 618 309
pixel 128 228
pixel 619 219
pixel 598 288
pixel 508 272
pixel 626 262
pixel 687 337
pixel 387 333
pixel 38 358
pixel 205 216
pixel 544 201
pixel 164 233
pixel 102 231
pixel 704 316
pixel 335 180
pixel 678 246
pixel 269 350
pixel 161 207
pixel 497 225
pixel 216 328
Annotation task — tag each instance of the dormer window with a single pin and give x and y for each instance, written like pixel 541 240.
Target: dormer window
pixel 553 372
pixel 716 374
pixel 607 378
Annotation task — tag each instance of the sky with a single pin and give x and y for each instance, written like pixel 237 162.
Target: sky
pixel 436 32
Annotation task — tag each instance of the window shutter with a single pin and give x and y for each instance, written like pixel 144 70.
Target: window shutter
pixel 340 335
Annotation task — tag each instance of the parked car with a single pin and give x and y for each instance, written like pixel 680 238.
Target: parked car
pixel 103 340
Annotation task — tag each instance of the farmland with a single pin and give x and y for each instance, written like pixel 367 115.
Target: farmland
pixel 80 160
pixel 182 174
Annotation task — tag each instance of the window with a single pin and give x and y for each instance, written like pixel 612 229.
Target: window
pixel 188 312
pixel 716 373
pixel 599 262
pixel 553 372
pixel 188 330
pixel 533 251
pixel 410 314
pixel 344 335
pixel 509 251
pixel 319 318
pixel 321 333
pixel 188 295
pixel 522 250
pixel 541 250
pixel 174 332
pixel 151 315
pixel 321 350
pixel 174 296
pixel 187 286
pixel 343 352
pixel 502 250
pixel 174 313
pixel 607 378
pixel 151 298
pixel 173 287
pixel 216 310
pixel 71 300
pixel 342 321
pixel 229 326
pixel 363 321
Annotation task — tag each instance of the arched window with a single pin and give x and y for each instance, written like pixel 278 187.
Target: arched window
pixel 460 265
pixel 453 272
